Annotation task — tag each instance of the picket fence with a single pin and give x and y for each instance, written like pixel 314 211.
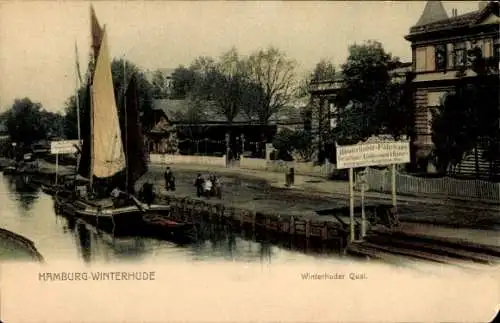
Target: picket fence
pixel 380 181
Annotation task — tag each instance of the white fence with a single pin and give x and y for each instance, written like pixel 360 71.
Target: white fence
pixel 380 181
pixel 185 159
pixel 283 166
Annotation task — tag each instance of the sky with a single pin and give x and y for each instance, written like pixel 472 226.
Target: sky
pixel 37 38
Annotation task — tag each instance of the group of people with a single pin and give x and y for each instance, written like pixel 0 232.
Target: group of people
pixel 210 186
pixel 207 186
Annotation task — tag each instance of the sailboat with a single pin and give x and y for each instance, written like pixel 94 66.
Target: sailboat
pixel 112 154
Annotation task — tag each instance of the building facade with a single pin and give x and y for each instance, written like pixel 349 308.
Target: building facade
pixel 439 46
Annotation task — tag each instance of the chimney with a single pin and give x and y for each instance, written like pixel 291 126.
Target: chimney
pixel 482 5
pixel 454 12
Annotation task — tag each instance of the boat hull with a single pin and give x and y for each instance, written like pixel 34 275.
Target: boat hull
pixel 124 220
pixel 162 226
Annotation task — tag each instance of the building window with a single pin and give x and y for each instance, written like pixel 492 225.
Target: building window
pixel 488 48
pixel 496 49
pixel 441 57
pixel 430 62
pixel 420 57
pixel 460 55
pixel 451 57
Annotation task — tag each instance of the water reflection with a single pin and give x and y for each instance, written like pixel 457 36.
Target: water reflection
pixel 25 191
pixel 62 238
pixel 84 242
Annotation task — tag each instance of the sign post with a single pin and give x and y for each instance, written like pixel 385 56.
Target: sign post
pixel 57 165
pixel 393 186
pixel 372 152
pixel 351 203
pixel 63 147
pixel 363 215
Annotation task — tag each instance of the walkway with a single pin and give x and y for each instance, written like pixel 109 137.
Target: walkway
pixel 312 184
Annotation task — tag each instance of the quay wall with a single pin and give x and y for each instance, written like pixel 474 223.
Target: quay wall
pixel 300 224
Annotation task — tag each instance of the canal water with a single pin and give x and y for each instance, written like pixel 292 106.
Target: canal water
pixel 28 211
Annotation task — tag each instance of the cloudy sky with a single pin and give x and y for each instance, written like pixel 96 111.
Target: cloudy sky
pixel 37 39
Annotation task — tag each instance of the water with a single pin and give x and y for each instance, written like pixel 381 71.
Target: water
pixel 28 211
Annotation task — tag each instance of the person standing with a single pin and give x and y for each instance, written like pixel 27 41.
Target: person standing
pixel 198 183
pixel 169 180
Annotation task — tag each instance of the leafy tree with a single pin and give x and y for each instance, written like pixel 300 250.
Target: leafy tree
pixel 71 118
pixel 451 138
pixel 183 80
pixel 24 122
pixel 284 143
pixel 302 144
pixel 223 82
pixel 469 117
pixel 53 124
pixel 160 85
pixel 122 71
pixel 324 70
pixel 368 95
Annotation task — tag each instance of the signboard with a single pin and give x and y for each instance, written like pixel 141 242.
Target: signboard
pixel 373 154
pixel 64 147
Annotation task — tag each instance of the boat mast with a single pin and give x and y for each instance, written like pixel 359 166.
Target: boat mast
pixel 91 112
pixel 77 100
pixel 77 96
pixel 125 144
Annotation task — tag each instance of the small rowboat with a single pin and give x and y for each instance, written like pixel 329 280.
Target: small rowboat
pixel 164 226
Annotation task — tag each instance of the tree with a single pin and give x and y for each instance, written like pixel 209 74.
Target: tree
pixel 223 82
pixel 24 122
pixel 53 123
pixel 160 85
pixel 324 70
pixel 288 141
pixel 368 96
pixel 274 74
pixel 450 133
pixel 302 144
pixel 183 80
pixel 70 114
pixel 468 119
pixel 284 143
pixel 122 71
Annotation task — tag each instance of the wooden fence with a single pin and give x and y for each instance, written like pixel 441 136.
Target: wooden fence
pixel 380 181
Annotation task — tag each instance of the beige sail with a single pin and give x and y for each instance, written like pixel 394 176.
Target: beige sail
pixel 108 157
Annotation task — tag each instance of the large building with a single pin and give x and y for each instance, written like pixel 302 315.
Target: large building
pixel 439 50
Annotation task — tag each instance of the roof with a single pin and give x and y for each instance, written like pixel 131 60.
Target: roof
pixel 433 11
pixel 177 111
pixel 464 20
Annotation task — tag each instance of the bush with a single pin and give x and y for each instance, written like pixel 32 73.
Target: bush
pixel 288 141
